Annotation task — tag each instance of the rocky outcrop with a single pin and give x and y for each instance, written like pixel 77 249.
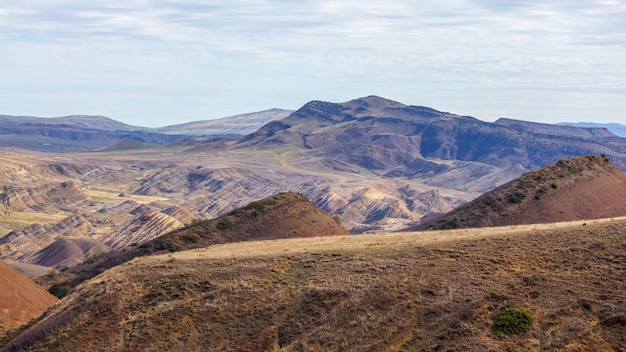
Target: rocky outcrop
pixel 36 198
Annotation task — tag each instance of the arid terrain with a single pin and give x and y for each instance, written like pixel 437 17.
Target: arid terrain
pixel 21 299
pixel 435 291
pixel 160 241
pixel 379 164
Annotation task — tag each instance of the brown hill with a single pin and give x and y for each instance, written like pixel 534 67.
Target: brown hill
pixel 586 187
pixel 356 293
pixel 20 299
pixel 67 252
pixel 285 215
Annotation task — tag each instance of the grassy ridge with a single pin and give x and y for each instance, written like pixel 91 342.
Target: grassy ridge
pixel 385 296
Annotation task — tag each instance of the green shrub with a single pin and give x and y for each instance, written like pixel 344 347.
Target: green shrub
pixel 191 237
pixel 512 321
pixel 59 290
pixel 223 224
pixel 162 245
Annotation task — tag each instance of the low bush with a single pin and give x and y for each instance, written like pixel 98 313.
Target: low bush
pixel 59 290
pixel 191 237
pixel 223 224
pixel 512 321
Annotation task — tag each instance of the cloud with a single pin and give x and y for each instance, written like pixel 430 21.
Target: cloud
pixel 254 54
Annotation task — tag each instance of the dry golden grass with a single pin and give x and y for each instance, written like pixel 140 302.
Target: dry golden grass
pixel 113 196
pixel 12 220
pixel 380 241
pixel 399 292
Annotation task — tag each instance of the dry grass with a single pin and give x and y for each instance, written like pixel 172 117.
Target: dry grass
pixel 12 220
pixel 113 196
pixel 400 292
pixel 379 241
pixel 586 187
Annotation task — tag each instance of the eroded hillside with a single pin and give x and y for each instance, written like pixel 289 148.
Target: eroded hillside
pixel 378 164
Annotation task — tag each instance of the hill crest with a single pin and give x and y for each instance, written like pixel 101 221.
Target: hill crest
pixel 586 187
pixel 284 215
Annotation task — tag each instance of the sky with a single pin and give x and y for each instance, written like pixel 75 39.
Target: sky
pixel 164 62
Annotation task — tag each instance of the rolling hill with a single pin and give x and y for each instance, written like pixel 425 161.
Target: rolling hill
pixel 80 121
pixel 232 126
pixel 285 215
pixel 587 187
pixel 388 292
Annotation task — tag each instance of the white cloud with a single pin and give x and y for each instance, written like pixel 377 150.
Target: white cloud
pixel 206 59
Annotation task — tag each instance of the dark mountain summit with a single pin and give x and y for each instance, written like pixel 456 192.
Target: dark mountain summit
pixel 384 135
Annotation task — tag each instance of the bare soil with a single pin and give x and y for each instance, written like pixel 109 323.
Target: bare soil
pixel 20 299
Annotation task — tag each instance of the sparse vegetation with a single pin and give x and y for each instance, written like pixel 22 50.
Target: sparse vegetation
pixel 415 293
pixel 512 321
pixel 59 290
pixel 557 192
pixel 191 237
pixel 223 224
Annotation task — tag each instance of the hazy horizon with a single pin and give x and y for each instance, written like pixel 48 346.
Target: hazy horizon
pixel 590 123
pixel 161 63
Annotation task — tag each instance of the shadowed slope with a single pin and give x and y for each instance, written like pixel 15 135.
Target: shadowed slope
pixel 587 187
pixel 67 252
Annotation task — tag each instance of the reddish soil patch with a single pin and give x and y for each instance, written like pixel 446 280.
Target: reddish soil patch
pixel 21 299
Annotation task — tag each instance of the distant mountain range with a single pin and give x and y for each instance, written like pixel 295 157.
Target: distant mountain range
pixel 234 126
pixel 379 134
pixel 615 128
pixel 376 162
pixel 87 133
